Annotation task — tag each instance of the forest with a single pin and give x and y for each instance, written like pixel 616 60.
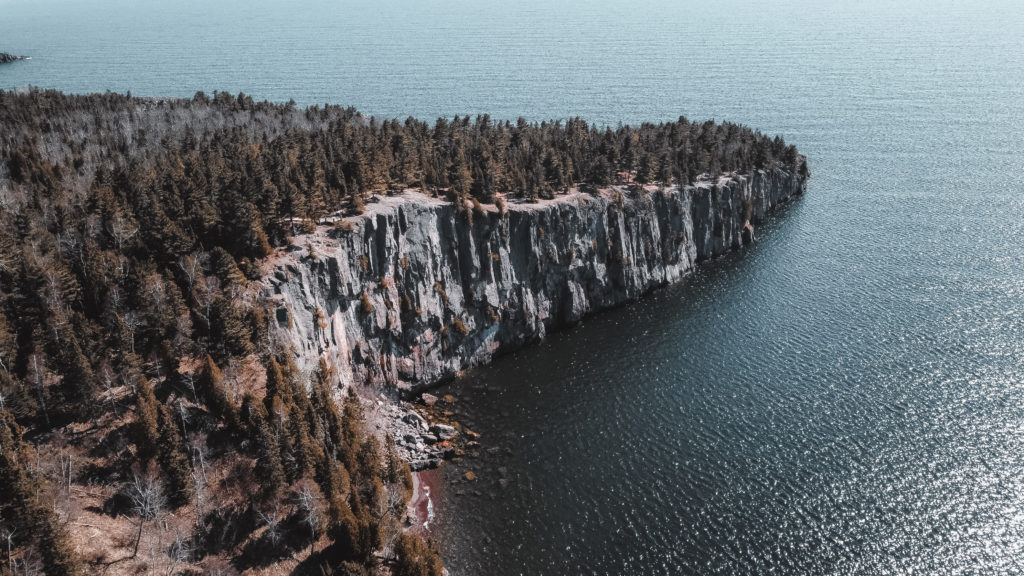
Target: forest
pixel 139 384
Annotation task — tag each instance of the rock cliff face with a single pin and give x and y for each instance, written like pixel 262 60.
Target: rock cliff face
pixel 411 292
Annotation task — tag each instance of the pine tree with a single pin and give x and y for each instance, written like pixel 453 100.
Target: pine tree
pixel 460 175
pixel 173 459
pixel 21 509
pixel 343 530
pixel 17 396
pixel 304 450
pixel 369 459
pixel 266 446
pixel 17 507
pixel 416 557
pixel 228 328
pixel 216 395
pixel 146 427
pixel 324 414
pixel 58 553
pixel 79 387
pixel 225 267
pixel 277 385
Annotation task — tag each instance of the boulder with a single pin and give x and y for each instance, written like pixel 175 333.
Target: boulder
pixel 415 420
pixel 443 431
pixel 424 464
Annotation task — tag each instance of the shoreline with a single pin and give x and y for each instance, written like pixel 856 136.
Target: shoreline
pixel 410 293
pixel 425 504
pixel 6 58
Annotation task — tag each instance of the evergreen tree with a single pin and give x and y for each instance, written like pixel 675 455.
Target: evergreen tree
pixel 21 509
pixel 229 329
pixel 211 383
pixel 79 387
pixel 59 558
pixel 267 448
pixel 460 175
pixel 146 427
pixel 343 530
pixel 173 459
pixel 416 557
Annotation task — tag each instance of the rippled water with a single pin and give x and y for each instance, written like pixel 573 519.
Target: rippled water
pixel 846 397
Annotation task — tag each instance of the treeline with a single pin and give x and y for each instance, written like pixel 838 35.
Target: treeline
pixel 130 235
pixel 180 165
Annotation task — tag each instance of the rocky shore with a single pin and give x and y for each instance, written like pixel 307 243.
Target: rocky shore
pixel 421 442
pixel 413 291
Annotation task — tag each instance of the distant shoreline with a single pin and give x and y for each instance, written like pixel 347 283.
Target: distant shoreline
pixel 7 58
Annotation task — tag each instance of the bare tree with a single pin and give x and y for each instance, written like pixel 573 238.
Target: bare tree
pixel 115 298
pixel 68 243
pixel 190 379
pixel 192 266
pixel 37 379
pixel 272 519
pixel 93 225
pixel 109 380
pixel 308 498
pixel 122 230
pixel 206 293
pixel 153 289
pixel 132 322
pixel 8 536
pixel 147 496
pixel 31 563
pixel 123 266
pixel 199 489
pixel 181 548
pixel 199 451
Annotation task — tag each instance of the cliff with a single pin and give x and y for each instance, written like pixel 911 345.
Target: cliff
pixel 410 292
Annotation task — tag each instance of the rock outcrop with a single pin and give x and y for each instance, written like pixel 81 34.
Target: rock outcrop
pixel 5 58
pixel 413 291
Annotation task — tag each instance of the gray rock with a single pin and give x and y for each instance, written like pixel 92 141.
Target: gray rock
pixel 509 278
pixel 428 399
pixel 424 464
pixel 443 431
pixel 415 420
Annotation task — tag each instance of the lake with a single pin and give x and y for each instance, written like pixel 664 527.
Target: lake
pixel 844 397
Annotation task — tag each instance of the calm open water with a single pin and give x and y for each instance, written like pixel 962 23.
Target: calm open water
pixel 846 397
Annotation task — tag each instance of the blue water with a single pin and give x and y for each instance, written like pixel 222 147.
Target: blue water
pixel 846 397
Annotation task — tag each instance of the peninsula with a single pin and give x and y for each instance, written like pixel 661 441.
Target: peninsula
pixel 6 58
pixel 200 295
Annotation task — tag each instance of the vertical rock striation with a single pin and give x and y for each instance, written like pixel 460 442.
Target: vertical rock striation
pixel 411 292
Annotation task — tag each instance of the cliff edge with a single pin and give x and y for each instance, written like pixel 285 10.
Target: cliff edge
pixel 411 292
